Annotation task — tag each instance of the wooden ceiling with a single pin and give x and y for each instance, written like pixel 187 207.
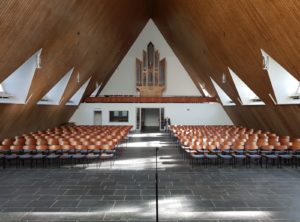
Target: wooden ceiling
pixel 210 35
pixel 90 35
pixel 94 35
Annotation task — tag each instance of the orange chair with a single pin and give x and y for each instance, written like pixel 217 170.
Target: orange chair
pixel 253 153
pixel 5 146
pixel 268 153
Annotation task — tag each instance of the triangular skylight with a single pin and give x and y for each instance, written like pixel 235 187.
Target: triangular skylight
pixel 16 86
pixel 225 99
pixel 75 100
pixel 248 97
pixel 98 86
pixel 53 97
pixel 285 85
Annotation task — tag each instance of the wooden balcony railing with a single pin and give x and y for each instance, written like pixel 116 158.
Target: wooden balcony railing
pixel 135 99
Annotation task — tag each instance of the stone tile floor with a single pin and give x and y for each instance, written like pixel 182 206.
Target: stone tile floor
pixel 126 191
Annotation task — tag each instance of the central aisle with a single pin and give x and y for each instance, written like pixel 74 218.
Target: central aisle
pixel 140 154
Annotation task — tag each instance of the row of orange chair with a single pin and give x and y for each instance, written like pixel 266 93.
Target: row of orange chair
pixel 239 142
pixel 67 142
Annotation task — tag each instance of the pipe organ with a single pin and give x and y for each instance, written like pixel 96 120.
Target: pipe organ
pixel 150 73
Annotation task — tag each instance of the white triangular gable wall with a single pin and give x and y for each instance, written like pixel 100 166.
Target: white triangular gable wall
pixel 57 91
pixel 96 90
pixel 18 83
pixel 246 94
pixel 225 99
pixel 284 84
pixel 123 80
pixel 75 99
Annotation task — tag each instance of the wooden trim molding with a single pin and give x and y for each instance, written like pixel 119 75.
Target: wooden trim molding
pixel 134 99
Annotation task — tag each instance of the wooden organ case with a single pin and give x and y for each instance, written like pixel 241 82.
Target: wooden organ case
pixel 150 73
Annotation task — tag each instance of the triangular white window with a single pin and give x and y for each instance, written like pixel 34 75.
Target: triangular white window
pixel 248 97
pixel 95 93
pixel 285 86
pixel 225 99
pixel 75 99
pixel 53 97
pixel 16 86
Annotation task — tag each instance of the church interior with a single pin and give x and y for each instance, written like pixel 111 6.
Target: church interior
pixel 149 110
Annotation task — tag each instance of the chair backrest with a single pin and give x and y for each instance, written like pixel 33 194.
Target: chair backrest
pixel 267 148
pixel 280 147
pixel 30 141
pixel 251 146
pixel 42 142
pixel 8 142
pixel 53 141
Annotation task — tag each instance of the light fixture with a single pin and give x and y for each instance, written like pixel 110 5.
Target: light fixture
pixel 78 77
pixel 255 99
pixel 265 62
pixel 38 60
pixel 224 78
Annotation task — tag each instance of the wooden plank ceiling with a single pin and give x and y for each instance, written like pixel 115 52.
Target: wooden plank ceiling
pixel 210 35
pixel 94 35
pixel 90 35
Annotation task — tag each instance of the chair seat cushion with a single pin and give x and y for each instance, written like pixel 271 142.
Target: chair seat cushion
pixel 52 156
pixel 211 156
pixel 106 155
pixel 224 156
pixel 285 156
pixel 239 156
pixel 78 156
pixel 108 151
pixel 38 156
pixel 271 156
pixel 11 156
pixel 197 156
pixel 254 156
pixel 65 156
pixel 92 156
pixel 25 156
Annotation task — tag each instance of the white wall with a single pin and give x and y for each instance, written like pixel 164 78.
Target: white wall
pixel 123 80
pixel 151 117
pixel 183 114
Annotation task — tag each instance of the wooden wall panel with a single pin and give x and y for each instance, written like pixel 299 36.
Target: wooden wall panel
pixel 90 35
pixel 210 35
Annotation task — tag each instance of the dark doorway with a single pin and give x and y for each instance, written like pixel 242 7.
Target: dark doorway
pixel 150 119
